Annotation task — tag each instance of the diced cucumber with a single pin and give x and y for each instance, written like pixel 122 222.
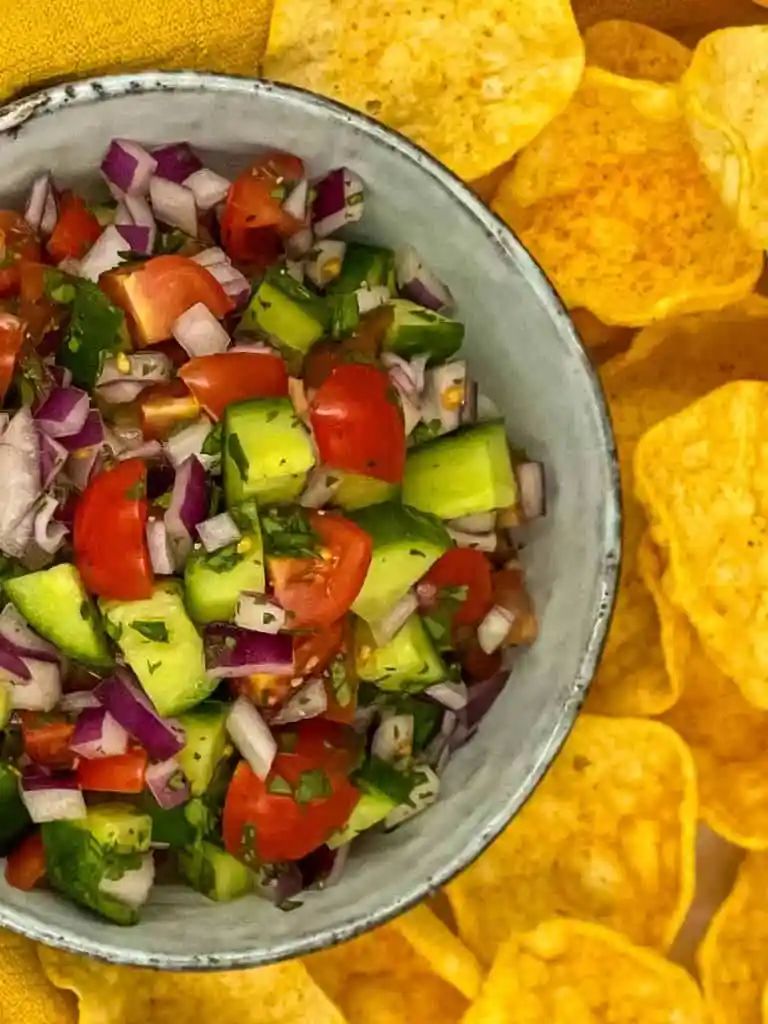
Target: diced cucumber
pixel 14 819
pixel 214 872
pixel 206 743
pixel 120 827
pixel 357 491
pixel 407 663
pixel 416 331
pixel 370 809
pixel 287 311
pixel 168 826
pixel 363 265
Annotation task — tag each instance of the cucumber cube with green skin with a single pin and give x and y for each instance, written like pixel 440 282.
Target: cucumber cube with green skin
pixel 407 663
pixel 416 331
pixel 206 743
pixel 365 265
pixel 162 646
pixel 15 822
pixel 214 580
pixel 358 491
pixel 405 544
pixel 287 311
pixel 372 808
pixel 267 452
pixel 168 826
pixel 55 604
pixel 461 474
pixel 214 872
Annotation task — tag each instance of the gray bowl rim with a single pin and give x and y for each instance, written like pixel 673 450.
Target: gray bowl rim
pixel 45 101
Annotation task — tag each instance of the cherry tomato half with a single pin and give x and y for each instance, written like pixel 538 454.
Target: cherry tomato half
pixel 75 232
pixel 254 221
pixel 122 773
pixel 25 866
pixel 46 739
pixel 17 243
pixel 11 340
pixel 365 341
pixel 111 552
pixel 218 380
pixel 464 567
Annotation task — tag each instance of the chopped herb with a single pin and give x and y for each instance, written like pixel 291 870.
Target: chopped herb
pixel 286 742
pixel 223 560
pixel 271 415
pixel 268 617
pixel 313 785
pixel 278 786
pixel 341 684
pixel 137 491
pixel 114 630
pixel 423 432
pixel 96 327
pixel 376 774
pixel 278 192
pixel 289 905
pixel 153 666
pixel 164 501
pixel 212 442
pixel 288 534
pixel 416 553
pixel 238 456
pixel 168 242
pixel 151 629
pixel 86 611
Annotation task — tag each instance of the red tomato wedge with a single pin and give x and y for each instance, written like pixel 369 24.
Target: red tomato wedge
pixel 76 229
pixel 111 552
pixel 25 866
pixel 464 567
pixel 358 424
pixel 218 380
pixel 123 773
pixel 254 221
pixel 305 798
pixel 163 407
pixel 313 652
pixel 46 739
pixel 318 591
pixel 155 293
pixel 11 340
pixel 18 242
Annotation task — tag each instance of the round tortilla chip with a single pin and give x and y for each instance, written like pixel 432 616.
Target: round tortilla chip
pixel 635 50
pixel 608 836
pixel 611 201
pixel 472 83
pixel 702 475
pixel 26 994
pixel 725 94
pixel 572 972
pixel 733 958
pixel 669 365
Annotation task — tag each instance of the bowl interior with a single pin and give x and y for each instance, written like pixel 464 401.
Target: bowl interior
pixel 523 350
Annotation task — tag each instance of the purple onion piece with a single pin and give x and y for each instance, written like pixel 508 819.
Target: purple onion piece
pixel 18 637
pixel 279 883
pixel 160 553
pixel 64 412
pixel 128 167
pixel 136 237
pixel 208 188
pixel 122 696
pixel 81 464
pixel 97 734
pixel 322 868
pixel 78 700
pixel 90 434
pixel 173 205
pixel 11 662
pixel 49 533
pixel 167 783
pixel 53 455
pixel 187 508
pixel 338 201
pixel 49 797
pixel 42 691
pixel 176 161
pixel 417 282
pixel 480 698
pixel 105 254
pixel 231 652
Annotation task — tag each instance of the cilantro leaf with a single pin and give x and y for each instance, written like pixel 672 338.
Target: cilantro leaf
pixel 313 784
pixel 238 456
pixel 288 534
pixel 151 629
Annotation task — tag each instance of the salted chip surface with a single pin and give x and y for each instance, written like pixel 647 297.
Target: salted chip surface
pixel 635 50
pixel 702 475
pixel 108 994
pixel 725 94
pixel 669 365
pixel 573 972
pixel 608 836
pixel 471 82
pixel 611 200
pixel 733 957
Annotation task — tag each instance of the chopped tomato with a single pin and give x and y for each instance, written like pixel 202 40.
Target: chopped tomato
pixel 358 424
pixel 76 229
pixel 306 797
pixel 123 773
pixel 218 380
pixel 40 315
pixel 254 221
pixel 263 688
pixel 464 567
pixel 17 243
pixel 163 407
pixel 46 739
pixel 342 681
pixel 509 591
pixel 366 341
pixel 111 552
pixel 11 340
pixel 318 591
pixel 25 866
pixel 475 663
pixel 155 293
pixel 314 652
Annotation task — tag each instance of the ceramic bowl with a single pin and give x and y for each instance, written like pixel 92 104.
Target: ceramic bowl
pixel 525 353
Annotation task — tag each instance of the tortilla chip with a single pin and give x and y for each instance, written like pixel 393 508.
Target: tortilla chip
pixel 733 958
pixel 703 478
pixel 669 365
pixel 280 994
pixel 571 972
pixel 612 202
pixel 725 94
pixel 411 970
pixel 471 82
pixel 26 995
pixel 635 50
pixel 608 836
pixel 602 340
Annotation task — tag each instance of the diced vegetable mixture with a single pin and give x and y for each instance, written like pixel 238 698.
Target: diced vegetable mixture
pixel 258 532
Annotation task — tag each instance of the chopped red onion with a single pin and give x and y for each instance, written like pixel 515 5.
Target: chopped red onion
pixel 81 464
pixel 324 262
pixel 188 441
pixel 298 397
pixel 51 797
pixel 120 392
pixel 52 458
pixel 393 740
pixel 423 795
pixel 135 212
pixel 411 411
pixel 148 450
pixel 218 264
pixel 63 412
pixel 135 237
pixel 411 371
pixel 127 168
pixel 321 486
pixel 208 188
pixel 174 205
pixel 42 210
pixel 106 252
pixel 493 630
pixel 417 282
pixel 133 887
pixel 530 485
pixel 176 161
pixel 75 701
pixel 369 298
pixel 338 201
pixel 480 522
pixel 20 473
pixel 251 736
pixel 254 611
pixel 49 534
pixel 211 257
pixel 187 508
pixel 395 619
pixel 160 553
pixel 308 702
pixel 12 663
pixel 97 734
pixel 61 375
pixel 476 541
pixel 279 882
pixel 41 691
pixel 122 696
pixel 450 695
pixel 231 652
pixel 167 783
pixel 469 403
pixel 296 203
pixel 218 531
pixel 199 332
pixel 300 243
pixel 481 696
pixel 444 390
pixel 138 367
pixel 90 434
pixel 23 640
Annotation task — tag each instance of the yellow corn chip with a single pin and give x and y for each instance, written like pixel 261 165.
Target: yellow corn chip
pixel 703 478
pixel 608 836
pixel 471 82
pixel 611 200
pixel 725 93
pixel 733 958
pixel 635 50
pixel 571 972
pixel 26 995
pixel 669 365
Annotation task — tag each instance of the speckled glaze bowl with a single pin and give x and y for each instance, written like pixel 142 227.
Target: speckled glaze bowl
pixel 525 353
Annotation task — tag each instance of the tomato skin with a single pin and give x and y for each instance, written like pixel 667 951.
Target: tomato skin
pixel 76 229
pixel 366 341
pixel 111 551
pixel 254 222
pixel 318 591
pixel 163 407
pixel 281 828
pixel 465 567
pixel 218 380
pixel 25 866
pixel 18 242
pixel 122 773
pixel 46 741
pixel 313 652
pixel 11 340
pixel 358 424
